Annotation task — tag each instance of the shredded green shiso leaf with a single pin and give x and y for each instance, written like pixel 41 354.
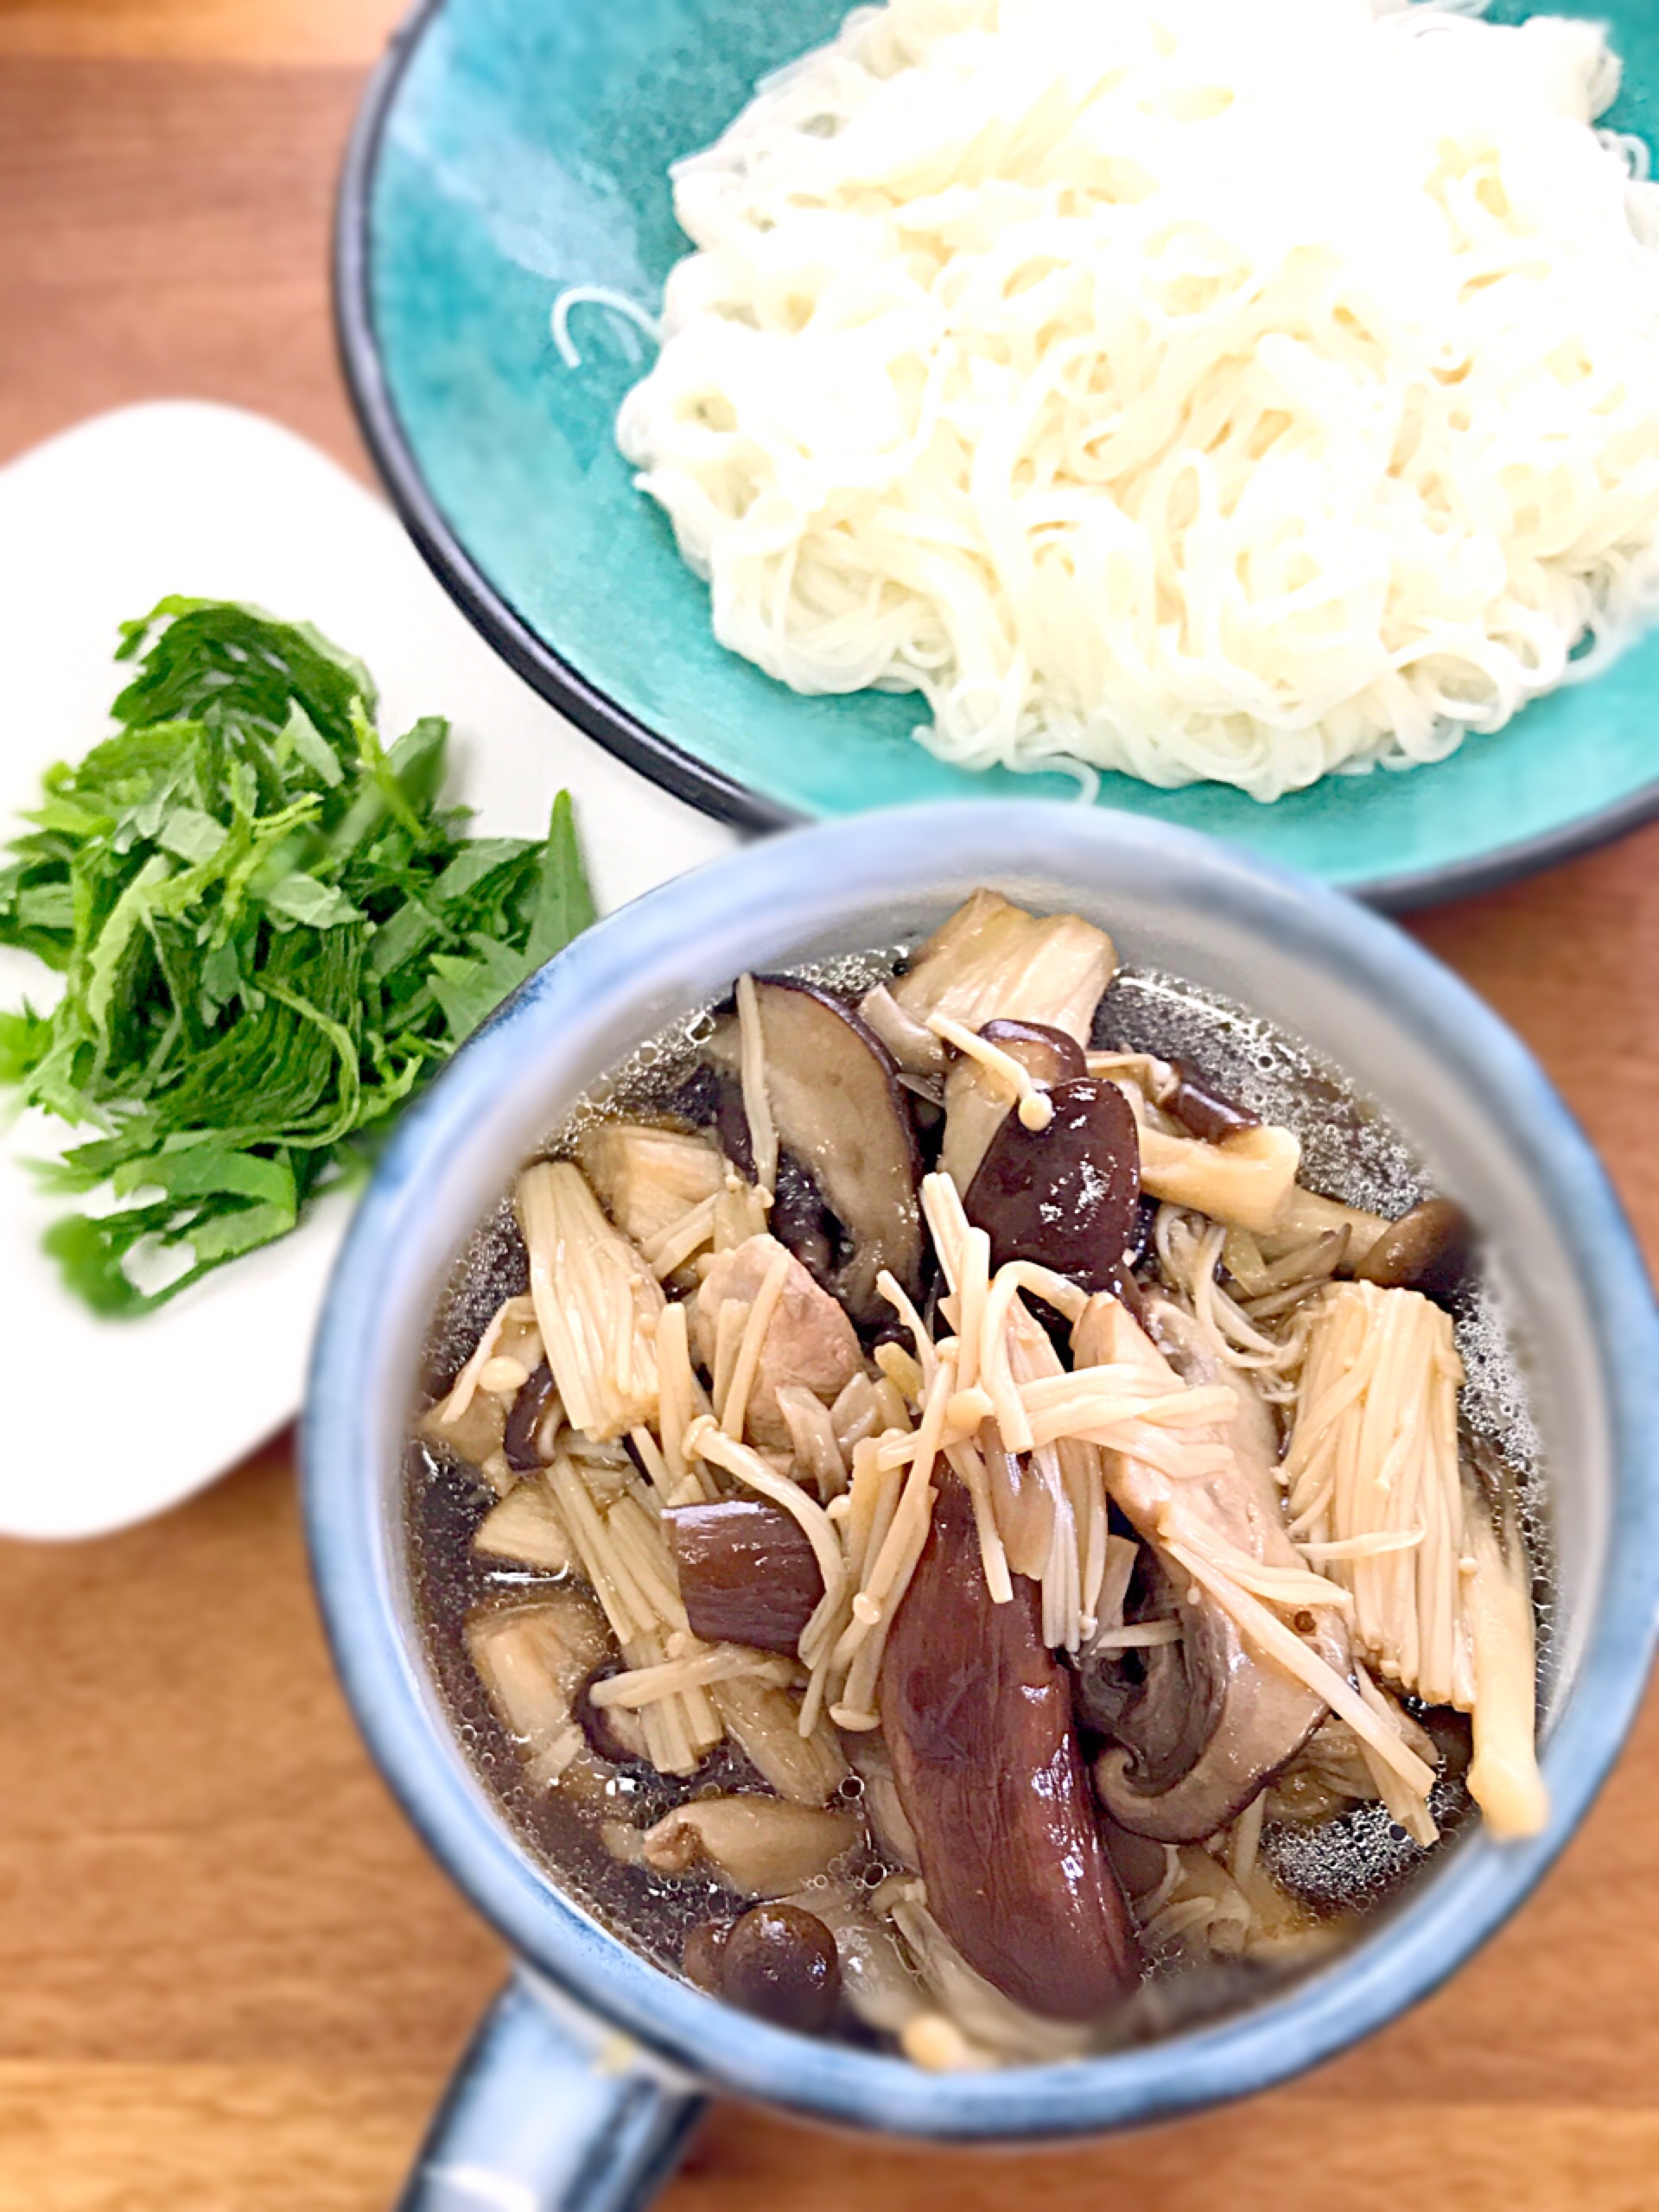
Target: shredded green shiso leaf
pixel 270 933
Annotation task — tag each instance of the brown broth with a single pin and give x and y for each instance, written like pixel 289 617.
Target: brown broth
pixel 1344 1870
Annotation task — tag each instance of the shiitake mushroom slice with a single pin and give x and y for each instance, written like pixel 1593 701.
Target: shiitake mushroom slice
pixel 843 1116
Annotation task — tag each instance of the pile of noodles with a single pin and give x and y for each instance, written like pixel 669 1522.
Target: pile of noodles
pixel 1193 388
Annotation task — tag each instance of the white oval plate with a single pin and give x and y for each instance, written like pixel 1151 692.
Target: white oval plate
pixel 95 527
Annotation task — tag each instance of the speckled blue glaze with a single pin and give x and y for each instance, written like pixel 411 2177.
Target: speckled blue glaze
pixel 1362 995
pixel 510 151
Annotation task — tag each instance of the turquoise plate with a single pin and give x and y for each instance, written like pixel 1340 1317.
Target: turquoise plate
pixel 510 148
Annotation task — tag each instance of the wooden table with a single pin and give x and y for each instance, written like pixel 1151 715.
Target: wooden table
pixel 230 1979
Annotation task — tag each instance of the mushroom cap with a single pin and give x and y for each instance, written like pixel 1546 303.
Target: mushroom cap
pixel 1067 1196
pixel 1427 1249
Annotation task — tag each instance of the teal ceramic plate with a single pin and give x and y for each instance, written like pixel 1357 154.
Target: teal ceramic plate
pixel 510 149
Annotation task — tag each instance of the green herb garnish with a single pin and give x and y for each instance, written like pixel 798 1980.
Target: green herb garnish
pixel 270 933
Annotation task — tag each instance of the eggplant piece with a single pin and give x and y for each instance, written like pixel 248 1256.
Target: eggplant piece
pixel 838 1105
pixel 843 1121
pixel 1067 1196
pixel 977 1714
pixel 748 1574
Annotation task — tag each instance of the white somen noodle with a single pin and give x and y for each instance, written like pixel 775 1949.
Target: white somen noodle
pixel 1182 387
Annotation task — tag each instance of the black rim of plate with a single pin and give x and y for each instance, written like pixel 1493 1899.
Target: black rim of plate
pixel 594 711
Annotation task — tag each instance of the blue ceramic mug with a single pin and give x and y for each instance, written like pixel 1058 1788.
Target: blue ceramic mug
pixel 585 2077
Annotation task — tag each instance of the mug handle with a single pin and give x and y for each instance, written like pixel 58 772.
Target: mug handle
pixel 535 2119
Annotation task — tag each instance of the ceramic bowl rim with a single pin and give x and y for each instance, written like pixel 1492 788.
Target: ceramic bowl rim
pixel 592 709
pixel 1430 1933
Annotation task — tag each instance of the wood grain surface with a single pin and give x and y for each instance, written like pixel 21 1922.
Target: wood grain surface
pixel 230 1979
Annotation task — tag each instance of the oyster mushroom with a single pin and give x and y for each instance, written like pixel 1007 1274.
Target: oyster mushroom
pixel 760 1846
pixel 992 961
pixel 534 1662
pixel 1206 1728
pixel 1215 1720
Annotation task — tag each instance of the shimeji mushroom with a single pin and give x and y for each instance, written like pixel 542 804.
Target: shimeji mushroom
pixel 777 1961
